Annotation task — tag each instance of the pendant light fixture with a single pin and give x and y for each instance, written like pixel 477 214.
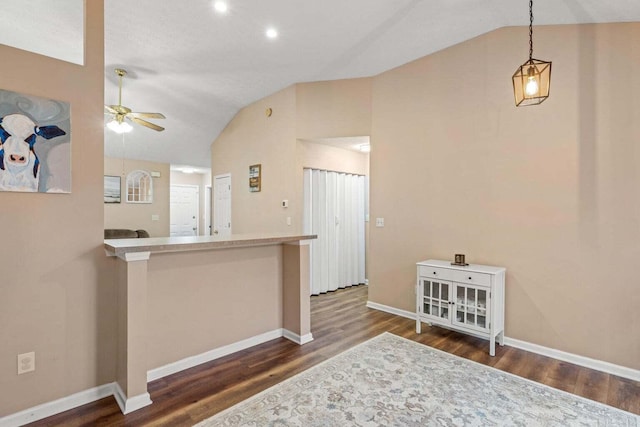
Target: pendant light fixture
pixel 532 80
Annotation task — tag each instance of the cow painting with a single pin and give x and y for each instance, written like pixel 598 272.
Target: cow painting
pixel 19 162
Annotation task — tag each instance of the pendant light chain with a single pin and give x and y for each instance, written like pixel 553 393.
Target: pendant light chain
pixel 532 80
pixel 530 29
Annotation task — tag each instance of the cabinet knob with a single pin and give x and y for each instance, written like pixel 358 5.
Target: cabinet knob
pixel 469 277
pixel 434 272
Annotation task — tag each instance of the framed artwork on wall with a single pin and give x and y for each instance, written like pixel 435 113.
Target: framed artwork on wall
pixel 255 178
pixel 111 189
pixel 35 144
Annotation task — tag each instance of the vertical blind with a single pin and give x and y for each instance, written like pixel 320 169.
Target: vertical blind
pixel 334 209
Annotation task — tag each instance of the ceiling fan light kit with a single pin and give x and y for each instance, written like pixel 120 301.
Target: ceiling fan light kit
pixel 122 114
pixel 532 80
pixel 119 126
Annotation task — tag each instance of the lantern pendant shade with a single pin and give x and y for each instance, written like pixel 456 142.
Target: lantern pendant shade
pixel 531 82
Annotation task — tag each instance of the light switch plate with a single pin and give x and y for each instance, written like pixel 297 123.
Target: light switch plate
pixel 379 222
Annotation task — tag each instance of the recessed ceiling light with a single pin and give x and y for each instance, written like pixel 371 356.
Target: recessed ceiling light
pixel 221 6
pixel 271 33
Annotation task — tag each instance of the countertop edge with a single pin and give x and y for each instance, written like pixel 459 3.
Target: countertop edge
pixel 163 245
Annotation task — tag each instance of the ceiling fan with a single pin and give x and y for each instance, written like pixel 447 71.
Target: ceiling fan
pixel 121 113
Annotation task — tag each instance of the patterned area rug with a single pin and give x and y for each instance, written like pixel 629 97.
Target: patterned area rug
pixel 392 381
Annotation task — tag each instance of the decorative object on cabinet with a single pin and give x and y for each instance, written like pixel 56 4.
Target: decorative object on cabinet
pixel 255 180
pixel 469 299
pixel 459 260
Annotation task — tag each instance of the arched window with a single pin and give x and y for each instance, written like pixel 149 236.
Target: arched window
pixel 139 187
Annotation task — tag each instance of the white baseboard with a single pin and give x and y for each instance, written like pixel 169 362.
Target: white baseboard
pixel 599 365
pixel 217 353
pixel 57 406
pixel 297 338
pixel 210 355
pixel 136 402
pixel 388 309
pixel 130 404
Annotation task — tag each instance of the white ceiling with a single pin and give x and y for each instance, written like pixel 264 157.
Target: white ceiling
pixel 199 68
pixel 52 28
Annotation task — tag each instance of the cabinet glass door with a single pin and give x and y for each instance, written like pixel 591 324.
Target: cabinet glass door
pixel 436 298
pixel 472 306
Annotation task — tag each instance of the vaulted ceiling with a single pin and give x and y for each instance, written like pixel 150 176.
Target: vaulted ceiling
pixel 199 67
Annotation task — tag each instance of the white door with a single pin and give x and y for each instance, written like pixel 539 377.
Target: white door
pixel 207 211
pixel 222 205
pixel 184 207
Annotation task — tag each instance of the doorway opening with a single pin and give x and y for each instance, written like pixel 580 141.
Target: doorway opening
pixel 335 210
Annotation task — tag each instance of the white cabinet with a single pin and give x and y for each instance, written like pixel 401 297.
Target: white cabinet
pixel 465 298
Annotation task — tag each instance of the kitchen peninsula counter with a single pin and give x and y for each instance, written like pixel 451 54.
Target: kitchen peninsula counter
pixel 183 301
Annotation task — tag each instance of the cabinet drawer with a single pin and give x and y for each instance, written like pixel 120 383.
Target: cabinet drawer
pixel 436 273
pixel 472 278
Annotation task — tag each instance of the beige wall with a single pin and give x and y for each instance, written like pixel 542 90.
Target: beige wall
pixel 304 111
pixel 202 181
pixel 549 192
pixel 194 300
pixel 137 216
pixel 320 156
pixel 56 296
pixel 336 108
pixel 252 138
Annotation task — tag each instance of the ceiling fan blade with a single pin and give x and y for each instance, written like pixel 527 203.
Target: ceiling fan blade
pixel 149 115
pixel 110 109
pixel 147 124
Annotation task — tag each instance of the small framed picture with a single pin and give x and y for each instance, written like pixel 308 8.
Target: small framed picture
pixel 111 189
pixel 255 178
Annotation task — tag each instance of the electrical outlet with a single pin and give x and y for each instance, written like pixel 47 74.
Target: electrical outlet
pixel 26 362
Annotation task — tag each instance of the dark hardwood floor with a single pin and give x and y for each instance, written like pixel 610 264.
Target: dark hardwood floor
pixel 340 320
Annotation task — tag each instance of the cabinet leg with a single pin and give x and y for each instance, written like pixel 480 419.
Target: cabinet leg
pixel 501 338
pixel 492 346
pixel 418 327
